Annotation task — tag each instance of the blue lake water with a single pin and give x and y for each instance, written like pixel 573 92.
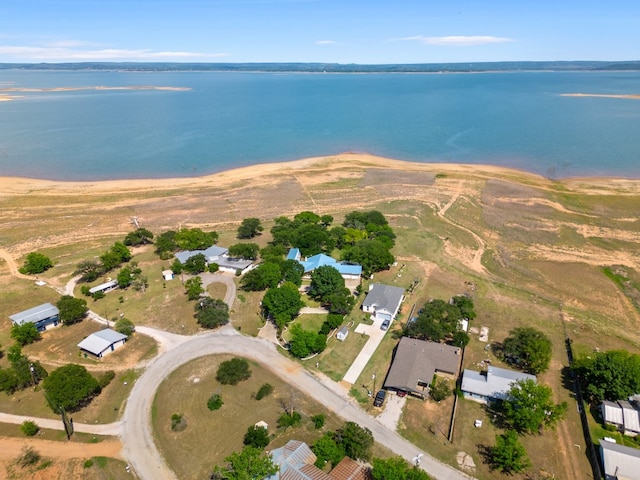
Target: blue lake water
pixel 228 120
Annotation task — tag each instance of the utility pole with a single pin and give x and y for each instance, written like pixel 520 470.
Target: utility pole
pixel 33 374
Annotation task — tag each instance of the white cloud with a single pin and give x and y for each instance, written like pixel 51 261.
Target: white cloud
pixel 69 52
pixel 326 42
pixel 458 40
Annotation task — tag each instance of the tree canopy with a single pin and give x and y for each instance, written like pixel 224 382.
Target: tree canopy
pixel 195 264
pixel 69 387
pixel 230 372
pixel 438 320
pixel 529 407
pixel 248 251
pixel 527 348
pixel 140 236
pixel 611 375
pixel 304 343
pixel 36 263
pixel 327 449
pixel 325 281
pixel 282 304
pixel 266 275
pixel 25 334
pixel 396 468
pixel 356 440
pixel 371 253
pixel 508 455
pixel 212 313
pixel 257 437
pixel 249 464
pixel 72 310
pixel 193 288
pixel 249 228
pixel 194 239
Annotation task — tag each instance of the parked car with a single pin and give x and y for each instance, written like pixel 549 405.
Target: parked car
pixel 385 325
pixel 379 400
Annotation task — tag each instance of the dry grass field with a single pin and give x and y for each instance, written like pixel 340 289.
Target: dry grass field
pixel 531 251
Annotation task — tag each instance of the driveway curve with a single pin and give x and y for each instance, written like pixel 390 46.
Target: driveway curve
pixel 137 434
pixel 230 295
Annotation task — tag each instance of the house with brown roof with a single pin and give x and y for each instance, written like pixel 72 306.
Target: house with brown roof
pixel 416 362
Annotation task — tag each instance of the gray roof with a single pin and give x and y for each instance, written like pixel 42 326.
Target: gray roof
pixel 211 254
pixel 35 314
pixel 417 361
pixel 494 384
pixel 630 416
pixel 384 297
pixel 104 286
pixel 98 342
pixel 611 412
pixel 236 263
pixel 619 461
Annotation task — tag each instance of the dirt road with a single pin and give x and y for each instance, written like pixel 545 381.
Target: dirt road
pixel 137 435
pixel 10 448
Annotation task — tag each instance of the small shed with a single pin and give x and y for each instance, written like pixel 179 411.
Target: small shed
pixel 167 274
pixel 102 343
pixel 342 334
pixel 262 424
pixel 104 287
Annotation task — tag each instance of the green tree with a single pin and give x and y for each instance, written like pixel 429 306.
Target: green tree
pixel 304 343
pixel 372 254
pixel 339 302
pixel 292 271
pixel 118 254
pixel 396 468
pixel 440 389
pixel 249 464
pixel 529 407
pixel 36 263
pixel 248 251
pixel 465 305
pixel 72 310
pixel 360 219
pixel 230 372
pixel 282 304
pixel 264 390
pixel 266 275
pixel 8 380
pixel 140 236
pixel 125 277
pixel 307 217
pixel 249 228
pixel 610 375
pixel 257 437
pixel 356 440
pixel 25 334
pixel 195 239
pixel 325 281
pixel 195 264
pixel 26 371
pixel 193 288
pixel 166 244
pixel 327 449
pixel 508 455
pixel 89 270
pixel 318 421
pixel 527 348
pixel 29 428
pixel 125 326
pixel 70 387
pixel 215 402
pixel 211 312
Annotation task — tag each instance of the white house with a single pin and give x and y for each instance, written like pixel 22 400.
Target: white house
pixel 102 343
pixel 219 256
pixel 620 462
pixel 494 384
pixel 167 274
pixel 342 334
pixel 104 287
pixel 383 301
pixel 43 316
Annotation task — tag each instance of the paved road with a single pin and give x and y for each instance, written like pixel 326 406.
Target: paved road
pixel 137 436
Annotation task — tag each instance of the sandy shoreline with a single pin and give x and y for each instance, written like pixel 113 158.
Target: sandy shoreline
pixel 21 185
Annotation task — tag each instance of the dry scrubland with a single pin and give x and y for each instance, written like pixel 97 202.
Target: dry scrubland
pixel 534 249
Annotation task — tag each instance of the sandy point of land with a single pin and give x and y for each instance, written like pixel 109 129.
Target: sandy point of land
pixel 333 166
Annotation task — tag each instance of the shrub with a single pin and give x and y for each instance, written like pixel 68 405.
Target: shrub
pixel 29 456
pixel 125 326
pixel 214 402
pixel 318 421
pixel 264 390
pixel 289 420
pixel 214 267
pixel 257 437
pixel 105 378
pixel 233 371
pixel 29 428
pixel 178 422
pixel 439 390
pixel 88 463
pixel 98 295
pixel 36 263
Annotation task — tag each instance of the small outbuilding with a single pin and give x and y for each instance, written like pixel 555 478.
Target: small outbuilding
pixel 104 287
pixel 102 343
pixel 167 275
pixel 342 334
pixel 43 316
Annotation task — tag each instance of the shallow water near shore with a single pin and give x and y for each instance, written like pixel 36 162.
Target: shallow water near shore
pixel 219 121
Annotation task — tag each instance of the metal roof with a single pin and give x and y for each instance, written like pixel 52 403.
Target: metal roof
pixel 104 286
pixel 211 254
pixel 384 297
pixel 321 260
pixel 630 416
pixel 611 412
pixel 294 254
pixel 619 461
pixel 349 469
pixel 417 361
pixel 98 342
pixel 35 314
pixel 494 384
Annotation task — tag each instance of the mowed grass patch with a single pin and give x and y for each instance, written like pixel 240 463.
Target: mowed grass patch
pixel 339 355
pixel 61 345
pixel 245 314
pixel 210 436
pixel 109 405
pixel 310 322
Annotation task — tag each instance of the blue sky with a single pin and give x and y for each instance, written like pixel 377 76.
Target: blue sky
pixel 341 31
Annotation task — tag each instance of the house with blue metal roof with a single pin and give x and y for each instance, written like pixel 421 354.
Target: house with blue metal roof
pixel 43 316
pixel 348 271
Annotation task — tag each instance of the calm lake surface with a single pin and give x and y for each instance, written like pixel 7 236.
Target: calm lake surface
pixel 229 120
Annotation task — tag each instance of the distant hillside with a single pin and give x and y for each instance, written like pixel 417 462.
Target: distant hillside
pixel 333 67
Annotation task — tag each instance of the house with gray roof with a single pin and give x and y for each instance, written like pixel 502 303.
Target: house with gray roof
pixel 219 256
pixel 102 343
pixel 416 362
pixel 43 316
pixel 383 301
pixel 296 462
pixel 104 287
pixel 620 462
pixel 494 384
